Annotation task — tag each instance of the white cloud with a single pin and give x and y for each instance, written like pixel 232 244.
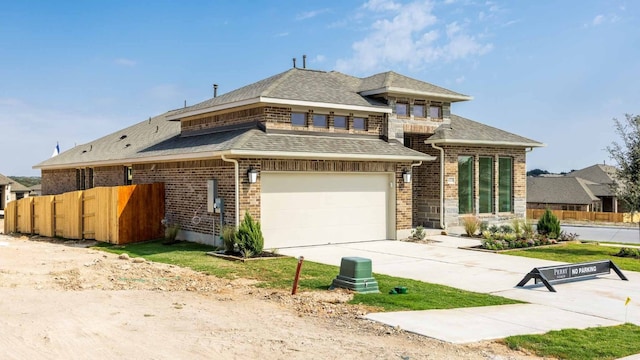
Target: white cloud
pixel 460 79
pixel 282 34
pixel 319 58
pixel 310 14
pixel 598 20
pixel 125 62
pixel 409 35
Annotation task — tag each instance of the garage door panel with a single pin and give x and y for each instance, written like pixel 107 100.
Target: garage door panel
pixel 310 209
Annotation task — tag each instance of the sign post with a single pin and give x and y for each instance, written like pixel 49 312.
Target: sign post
pixel 549 274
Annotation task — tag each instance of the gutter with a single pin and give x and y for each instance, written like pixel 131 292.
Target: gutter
pixel 237 184
pixel 442 223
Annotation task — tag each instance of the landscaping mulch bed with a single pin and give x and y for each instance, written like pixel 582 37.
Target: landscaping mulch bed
pixel 265 255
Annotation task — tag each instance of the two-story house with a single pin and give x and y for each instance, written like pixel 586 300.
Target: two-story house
pixel 318 157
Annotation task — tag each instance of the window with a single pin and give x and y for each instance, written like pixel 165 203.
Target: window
pixel 402 109
pixel 340 122
pixel 91 182
pixel 80 179
pixel 485 172
pixel 298 119
pixel 435 112
pixel 128 175
pixel 465 184
pixel 504 184
pixel 359 123
pixel 418 110
pixel 319 120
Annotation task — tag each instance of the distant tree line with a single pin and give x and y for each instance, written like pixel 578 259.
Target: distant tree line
pixel 27 181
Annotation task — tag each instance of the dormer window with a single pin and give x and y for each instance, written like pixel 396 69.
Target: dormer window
pixel 340 122
pixel 319 121
pixel 402 109
pixel 418 110
pixel 435 112
pixel 298 119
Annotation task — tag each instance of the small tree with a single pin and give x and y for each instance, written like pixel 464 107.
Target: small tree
pixel 249 237
pixel 627 157
pixel 549 224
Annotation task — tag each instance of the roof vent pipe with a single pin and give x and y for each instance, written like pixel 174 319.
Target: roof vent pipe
pixel 294 62
pixel 215 90
pixel 304 61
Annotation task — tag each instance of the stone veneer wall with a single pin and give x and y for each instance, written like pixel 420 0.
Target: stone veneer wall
pixel 519 181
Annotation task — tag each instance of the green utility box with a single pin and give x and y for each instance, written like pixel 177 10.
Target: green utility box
pixel 355 274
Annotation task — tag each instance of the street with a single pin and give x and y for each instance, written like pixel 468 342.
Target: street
pixel 609 234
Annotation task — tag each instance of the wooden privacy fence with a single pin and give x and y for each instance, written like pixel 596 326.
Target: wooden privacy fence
pixel 581 215
pixel 118 215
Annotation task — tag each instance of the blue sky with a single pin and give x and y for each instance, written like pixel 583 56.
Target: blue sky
pixel 556 72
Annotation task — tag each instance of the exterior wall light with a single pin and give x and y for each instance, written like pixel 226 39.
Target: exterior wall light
pixel 406 176
pixel 252 175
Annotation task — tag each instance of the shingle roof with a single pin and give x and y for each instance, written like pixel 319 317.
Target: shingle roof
pixel 601 189
pixel 320 87
pixel 157 139
pixel 598 173
pixel 15 186
pixel 465 131
pixel 118 146
pixel 392 79
pixel 559 190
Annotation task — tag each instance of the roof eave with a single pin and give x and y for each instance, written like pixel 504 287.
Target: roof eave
pixel 485 142
pixel 429 94
pixel 268 100
pixel 239 153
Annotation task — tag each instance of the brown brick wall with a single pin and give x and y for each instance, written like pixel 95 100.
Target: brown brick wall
pixel 186 191
pixel 108 176
pixel 426 183
pixel 58 181
pixel 202 122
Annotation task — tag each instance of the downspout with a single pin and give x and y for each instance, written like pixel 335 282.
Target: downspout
pixel 442 223
pixel 237 184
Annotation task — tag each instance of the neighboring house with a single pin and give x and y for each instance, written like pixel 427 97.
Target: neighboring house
pixel 10 190
pixel 588 189
pixel 35 190
pixel 318 157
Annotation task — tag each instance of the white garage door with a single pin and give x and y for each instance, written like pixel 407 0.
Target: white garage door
pixel 312 209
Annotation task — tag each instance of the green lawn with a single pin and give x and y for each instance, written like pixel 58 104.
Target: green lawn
pixel 595 343
pixel 574 253
pixel 279 273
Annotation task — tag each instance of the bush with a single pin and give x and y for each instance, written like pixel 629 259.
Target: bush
pixel 471 225
pixel 506 228
pixel 229 238
pixel 418 233
pixel 516 224
pixel 549 225
pixel 628 252
pixel 527 229
pixel 249 238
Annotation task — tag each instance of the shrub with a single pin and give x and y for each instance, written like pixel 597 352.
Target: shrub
pixel 506 228
pixel 487 235
pixel 628 252
pixel 471 225
pixel 516 224
pixel 564 236
pixel 229 238
pixel 484 226
pixel 249 238
pixel 171 232
pixel 418 233
pixel 527 229
pixel 549 225
pixel 494 228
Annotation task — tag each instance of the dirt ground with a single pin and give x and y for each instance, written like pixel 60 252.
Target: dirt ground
pixel 63 300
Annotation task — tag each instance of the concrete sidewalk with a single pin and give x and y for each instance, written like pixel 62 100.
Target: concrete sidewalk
pixel 580 304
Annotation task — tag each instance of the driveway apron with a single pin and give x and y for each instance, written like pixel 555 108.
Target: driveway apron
pixel 580 304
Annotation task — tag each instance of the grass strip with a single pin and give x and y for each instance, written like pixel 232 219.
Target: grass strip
pixel 575 253
pixel 278 274
pixel 611 342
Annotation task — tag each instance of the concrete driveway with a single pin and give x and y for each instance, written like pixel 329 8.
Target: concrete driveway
pixel 581 304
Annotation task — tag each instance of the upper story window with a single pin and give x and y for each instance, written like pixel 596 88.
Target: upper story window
pixel 402 109
pixel 435 112
pixel 418 110
pixel 319 120
pixel 359 123
pixel 340 122
pixel 298 119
